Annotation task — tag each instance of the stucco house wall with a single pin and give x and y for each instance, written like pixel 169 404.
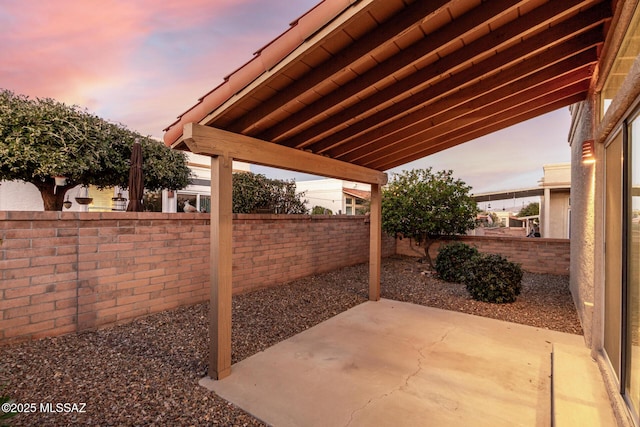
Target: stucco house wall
pixel 582 274
pixel 590 188
pixel 328 193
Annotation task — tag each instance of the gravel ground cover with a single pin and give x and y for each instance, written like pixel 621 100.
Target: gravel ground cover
pixel 146 372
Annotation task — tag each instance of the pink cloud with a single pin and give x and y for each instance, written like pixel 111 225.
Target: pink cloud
pixel 61 49
pixel 139 62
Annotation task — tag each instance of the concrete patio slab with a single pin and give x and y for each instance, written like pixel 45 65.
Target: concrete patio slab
pixel 389 363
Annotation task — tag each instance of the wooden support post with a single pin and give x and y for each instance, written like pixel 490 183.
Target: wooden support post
pixel 375 242
pixel 221 258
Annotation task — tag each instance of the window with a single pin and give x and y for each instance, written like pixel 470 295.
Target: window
pixel 201 202
pixel 632 359
pixel 629 50
pixel 349 206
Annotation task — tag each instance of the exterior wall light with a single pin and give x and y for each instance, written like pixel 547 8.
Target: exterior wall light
pixel 588 152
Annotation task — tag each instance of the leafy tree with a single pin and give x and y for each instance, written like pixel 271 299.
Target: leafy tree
pixel 42 138
pixel 426 206
pixel 319 210
pixel 530 210
pixel 255 192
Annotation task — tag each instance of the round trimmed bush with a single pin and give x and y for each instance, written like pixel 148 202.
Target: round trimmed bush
pixel 492 278
pixel 451 260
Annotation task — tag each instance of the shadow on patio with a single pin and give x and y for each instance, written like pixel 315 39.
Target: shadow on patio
pixel 395 363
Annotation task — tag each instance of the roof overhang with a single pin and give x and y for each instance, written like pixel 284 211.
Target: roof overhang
pixel 380 83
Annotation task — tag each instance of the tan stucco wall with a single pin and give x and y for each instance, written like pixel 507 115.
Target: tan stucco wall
pixel 582 273
pixel 558 215
pixel 559 221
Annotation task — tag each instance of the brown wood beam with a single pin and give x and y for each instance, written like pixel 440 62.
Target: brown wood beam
pixel 491 124
pixel 482 118
pixel 410 16
pixel 495 126
pixel 432 119
pixel 221 268
pixel 478 115
pixel 483 93
pixel 375 242
pixel 481 71
pixel 436 41
pixel 486 72
pixel 217 142
pixel 323 135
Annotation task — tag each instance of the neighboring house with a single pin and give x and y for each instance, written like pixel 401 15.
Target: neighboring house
pixel 24 196
pixel 505 224
pixel 554 191
pixel 199 192
pixel 341 197
pixel 555 203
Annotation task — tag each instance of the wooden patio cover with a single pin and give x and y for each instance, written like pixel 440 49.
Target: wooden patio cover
pixel 354 88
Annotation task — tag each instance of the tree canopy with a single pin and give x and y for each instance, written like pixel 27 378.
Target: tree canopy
pixel 530 210
pixel 43 138
pixel 255 193
pixel 426 205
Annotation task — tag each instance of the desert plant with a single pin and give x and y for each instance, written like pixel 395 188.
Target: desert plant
pixel 451 260
pixel 492 278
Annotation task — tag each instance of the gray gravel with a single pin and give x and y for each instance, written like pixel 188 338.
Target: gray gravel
pixel 146 372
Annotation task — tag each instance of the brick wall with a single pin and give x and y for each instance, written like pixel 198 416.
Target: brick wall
pixel 67 271
pixel 273 249
pixel 536 255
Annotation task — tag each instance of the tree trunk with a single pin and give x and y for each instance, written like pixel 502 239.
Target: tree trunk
pixel 427 244
pixel 52 202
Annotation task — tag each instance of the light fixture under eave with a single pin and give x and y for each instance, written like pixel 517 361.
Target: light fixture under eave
pixel 588 152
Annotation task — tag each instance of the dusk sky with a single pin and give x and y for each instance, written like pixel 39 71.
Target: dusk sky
pixel 143 62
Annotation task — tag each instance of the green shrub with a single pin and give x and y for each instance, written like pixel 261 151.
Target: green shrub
pixel 451 259
pixel 492 278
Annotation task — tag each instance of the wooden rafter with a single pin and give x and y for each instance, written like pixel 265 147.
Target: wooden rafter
pixel 394 73
pixel 386 32
pixel 548 103
pixel 498 92
pixel 406 58
pixel 367 131
pixel 482 51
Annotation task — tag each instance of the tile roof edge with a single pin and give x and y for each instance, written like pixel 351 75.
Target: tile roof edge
pixel 263 60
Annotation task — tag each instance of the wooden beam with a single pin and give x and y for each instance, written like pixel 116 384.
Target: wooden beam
pixel 437 41
pixel 411 15
pixel 323 135
pixel 471 112
pixel 481 119
pixel 221 267
pixel 375 242
pixel 494 124
pixel 217 142
pixel 529 73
